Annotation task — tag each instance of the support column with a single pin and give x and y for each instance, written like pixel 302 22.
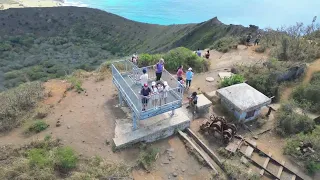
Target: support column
pixel 120 99
pixel 134 121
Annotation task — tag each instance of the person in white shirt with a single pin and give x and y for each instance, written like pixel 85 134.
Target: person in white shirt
pixel 155 94
pixel 144 77
pixel 166 89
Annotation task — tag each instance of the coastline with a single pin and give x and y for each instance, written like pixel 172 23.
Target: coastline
pixel 6 4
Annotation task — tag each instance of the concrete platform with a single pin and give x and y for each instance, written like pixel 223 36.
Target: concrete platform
pixel 150 130
pixel 225 74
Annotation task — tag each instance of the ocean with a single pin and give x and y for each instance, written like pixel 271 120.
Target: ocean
pixel 264 13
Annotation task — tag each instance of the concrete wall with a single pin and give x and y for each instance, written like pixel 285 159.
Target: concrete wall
pixel 241 116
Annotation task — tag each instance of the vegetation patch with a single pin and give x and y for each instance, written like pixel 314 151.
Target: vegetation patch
pixel 48 160
pixel 234 79
pixel 37 126
pixel 147 157
pixel 308 96
pixel 225 44
pixel 237 171
pixel 174 58
pixel 16 102
pixel 310 159
pixel 289 122
pixel 76 83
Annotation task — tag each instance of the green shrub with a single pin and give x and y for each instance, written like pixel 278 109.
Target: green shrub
pixel 234 79
pixel 289 122
pixel 308 96
pixel 38 126
pixel 174 58
pixel 40 158
pixel 147 157
pixel 309 159
pixel 75 83
pixel 65 159
pixel 225 44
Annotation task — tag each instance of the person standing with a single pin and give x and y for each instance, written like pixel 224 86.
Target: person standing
pixel 179 72
pixel 144 77
pixel 155 94
pixel 256 42
pixel 159 67
pixel 145 96
pixel 189 76
pixel 166 89
pixel 207 55
pixel 193 100
pixel 199 52
pixel 248 40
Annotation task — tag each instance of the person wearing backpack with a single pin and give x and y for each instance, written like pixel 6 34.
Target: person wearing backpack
pixel 159 67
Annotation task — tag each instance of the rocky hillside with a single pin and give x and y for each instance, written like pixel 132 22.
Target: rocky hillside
pixel 44 43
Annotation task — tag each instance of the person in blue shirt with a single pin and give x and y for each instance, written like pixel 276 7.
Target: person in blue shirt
pixel 189 76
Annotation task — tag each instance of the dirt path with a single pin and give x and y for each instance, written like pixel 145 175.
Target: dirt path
pixel 312 68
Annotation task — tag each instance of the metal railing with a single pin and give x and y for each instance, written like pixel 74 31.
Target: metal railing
pixel 126 76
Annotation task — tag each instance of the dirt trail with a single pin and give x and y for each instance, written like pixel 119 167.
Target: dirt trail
pixel 312 68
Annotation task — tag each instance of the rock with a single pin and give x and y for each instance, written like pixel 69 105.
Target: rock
pixel 166 162
pixel 183 170
pixel 68 127
pixel 83 141
pixel 210 79
pixel 175 174
pixel 58 124
pixel 170 150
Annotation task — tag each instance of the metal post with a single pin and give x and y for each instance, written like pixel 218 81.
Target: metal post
pixel 134 121
pixel 172 113
pixel 120 99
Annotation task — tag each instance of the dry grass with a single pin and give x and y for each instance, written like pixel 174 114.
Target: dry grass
pixel 18 102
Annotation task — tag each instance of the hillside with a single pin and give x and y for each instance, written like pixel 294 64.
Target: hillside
pixel 45 43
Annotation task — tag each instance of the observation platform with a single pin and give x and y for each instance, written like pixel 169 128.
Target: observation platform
pixel 126 77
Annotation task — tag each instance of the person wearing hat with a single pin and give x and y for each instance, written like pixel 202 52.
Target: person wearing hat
pixel 145 96
pixel 144 77
pixel 159 67
pixel 166 89
pixel 155 94
pixel 189 76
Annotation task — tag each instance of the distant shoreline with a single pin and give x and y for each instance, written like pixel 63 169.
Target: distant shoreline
pixel 6 4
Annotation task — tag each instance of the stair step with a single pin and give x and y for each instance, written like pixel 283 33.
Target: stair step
pixel 265 164
pixel 249 151
pixel 280 169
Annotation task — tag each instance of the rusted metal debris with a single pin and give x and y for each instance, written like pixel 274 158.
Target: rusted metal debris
pixel 220 125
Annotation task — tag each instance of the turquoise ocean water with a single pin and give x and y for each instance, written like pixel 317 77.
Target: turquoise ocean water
pixel 264 13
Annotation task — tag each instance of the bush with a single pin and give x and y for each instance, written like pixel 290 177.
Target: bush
pixel 234 79
pixel 40 158
pixel 174 58
pixel 65 159
pixel 309 159
pixel 289 122
pixel 147 157
pixel 38 126
pixel 261 49
pixel 225 44
pixel 17 102
pixel 308 96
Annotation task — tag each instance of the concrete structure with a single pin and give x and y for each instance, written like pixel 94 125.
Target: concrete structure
pixel 203 104
pixel 243 101
pixel 154 128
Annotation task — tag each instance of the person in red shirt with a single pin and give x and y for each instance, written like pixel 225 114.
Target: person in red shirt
pixel 179 73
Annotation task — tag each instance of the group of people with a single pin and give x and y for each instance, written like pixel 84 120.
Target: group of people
pixel 256 41
pixel 158 92
pixel 206 55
